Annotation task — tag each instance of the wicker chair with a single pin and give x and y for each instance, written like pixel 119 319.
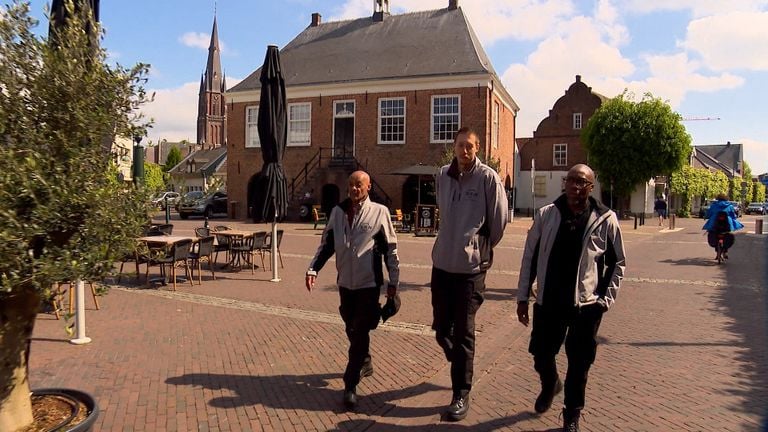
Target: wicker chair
pixel 177 255
pixel 204 253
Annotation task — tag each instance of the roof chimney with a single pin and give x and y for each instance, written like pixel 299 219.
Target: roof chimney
pixel 380 10
pixel 578 78
pixel 316 19
pixel 453 4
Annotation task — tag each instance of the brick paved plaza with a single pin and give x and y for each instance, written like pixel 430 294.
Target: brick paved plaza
pixel 684 348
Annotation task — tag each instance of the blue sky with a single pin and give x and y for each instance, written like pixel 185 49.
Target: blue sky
pixel 706 60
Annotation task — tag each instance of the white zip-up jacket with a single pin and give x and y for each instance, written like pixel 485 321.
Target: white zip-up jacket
pixel 601 267
pixel 360 247
pixel 473 214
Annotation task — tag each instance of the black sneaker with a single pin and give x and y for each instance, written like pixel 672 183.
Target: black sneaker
pixel 458 408
pixel 350 399
pixel 544 400
pixel 571 420
pixel 367 370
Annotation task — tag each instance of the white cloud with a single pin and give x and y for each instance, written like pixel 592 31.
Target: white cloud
pixel 200 41
pixel 735 40
pixel 756 154
pixel 174 111
pixel 698 8
pixel 493 20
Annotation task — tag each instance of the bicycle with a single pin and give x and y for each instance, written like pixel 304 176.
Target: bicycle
pixel 719 246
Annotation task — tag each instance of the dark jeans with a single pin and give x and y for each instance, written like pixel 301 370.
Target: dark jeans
pixel 456 298
pixel 360 311
pixel 578 327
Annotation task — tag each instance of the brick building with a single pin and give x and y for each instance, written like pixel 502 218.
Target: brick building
pixel 378 93
pixel 555 146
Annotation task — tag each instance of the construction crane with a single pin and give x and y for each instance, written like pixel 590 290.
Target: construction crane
pixel 699 118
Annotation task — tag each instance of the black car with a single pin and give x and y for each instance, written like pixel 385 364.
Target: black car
pixel 199 204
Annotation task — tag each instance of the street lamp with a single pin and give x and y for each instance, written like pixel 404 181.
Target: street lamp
pixel 138 160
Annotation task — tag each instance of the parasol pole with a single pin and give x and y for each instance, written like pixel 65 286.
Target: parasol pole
pixel 275 276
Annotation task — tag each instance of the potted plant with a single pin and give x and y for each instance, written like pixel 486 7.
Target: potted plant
pixel 65 215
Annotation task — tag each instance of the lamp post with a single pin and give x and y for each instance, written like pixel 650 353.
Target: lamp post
pixel 138 160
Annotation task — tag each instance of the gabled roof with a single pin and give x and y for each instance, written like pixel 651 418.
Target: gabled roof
pixel 725 157
pixel 206 162
pixel 417 44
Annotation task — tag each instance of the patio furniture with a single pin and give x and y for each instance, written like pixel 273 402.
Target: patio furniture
pixel 204 253
pixel 177 255
pixel 202 232
pixel 268 246
pixel 250 245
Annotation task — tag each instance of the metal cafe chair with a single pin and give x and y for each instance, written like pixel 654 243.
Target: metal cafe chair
pixel 204 253
pixel 176 256
pixel 268 246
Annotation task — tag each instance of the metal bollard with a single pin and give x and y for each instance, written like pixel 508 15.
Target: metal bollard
pixel 642 219
pixel 758 226
pixel 672 221
pixel 635 221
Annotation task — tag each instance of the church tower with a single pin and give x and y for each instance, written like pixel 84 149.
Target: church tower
pixel 211 107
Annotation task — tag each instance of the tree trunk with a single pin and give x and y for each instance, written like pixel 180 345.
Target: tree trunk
pixel 17 320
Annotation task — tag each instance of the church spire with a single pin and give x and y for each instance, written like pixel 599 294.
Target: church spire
pixel 211 122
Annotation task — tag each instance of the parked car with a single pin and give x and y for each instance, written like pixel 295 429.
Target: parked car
pixel 197 203
pixel 159 199
pixel 755 208
pixel 703 210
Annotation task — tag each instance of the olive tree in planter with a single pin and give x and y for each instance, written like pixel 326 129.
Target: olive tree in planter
pixel 64 214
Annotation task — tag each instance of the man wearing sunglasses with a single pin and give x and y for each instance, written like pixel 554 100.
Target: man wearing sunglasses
pixel 574 249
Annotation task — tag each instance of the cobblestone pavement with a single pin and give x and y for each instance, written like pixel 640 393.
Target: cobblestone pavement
pixel 684 348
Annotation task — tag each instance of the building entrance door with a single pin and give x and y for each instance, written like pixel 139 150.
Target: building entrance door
pixel 344 130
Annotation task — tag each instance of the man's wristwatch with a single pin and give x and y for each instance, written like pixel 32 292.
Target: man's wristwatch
pixel 311 272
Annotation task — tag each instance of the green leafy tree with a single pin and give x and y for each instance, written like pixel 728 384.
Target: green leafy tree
pixel 65 217
pixel 630 142
pixel 173 159
pixel 746 178
pixel 154 177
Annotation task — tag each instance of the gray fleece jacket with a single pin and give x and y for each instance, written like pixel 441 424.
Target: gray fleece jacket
pixel 601 267
pixel 359 247
pixel 473 214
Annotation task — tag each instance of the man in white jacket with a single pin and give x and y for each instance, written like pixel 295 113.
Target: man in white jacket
pixel 360 233
pixel 574 250
pixel 473 214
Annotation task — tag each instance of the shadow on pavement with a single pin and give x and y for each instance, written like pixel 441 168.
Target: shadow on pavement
pixel 299 392
pixel 697 261
pixel 747 306
pixel 487 426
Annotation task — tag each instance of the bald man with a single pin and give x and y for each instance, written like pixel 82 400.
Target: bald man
pixel 360 233
pixel 574 249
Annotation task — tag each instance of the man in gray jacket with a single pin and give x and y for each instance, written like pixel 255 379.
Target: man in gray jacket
pixel 360 233
pixel 473 214
pixel 574 249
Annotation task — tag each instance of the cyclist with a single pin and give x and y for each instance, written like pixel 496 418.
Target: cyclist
pixel 721 221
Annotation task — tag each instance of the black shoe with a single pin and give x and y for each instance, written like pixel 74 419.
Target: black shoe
pixel 458 408
pixel 367 370
pixel 350 399
pixel 544 400
pixel 571 420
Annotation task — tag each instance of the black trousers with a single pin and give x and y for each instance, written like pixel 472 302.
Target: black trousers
pixel 578 327
pixel 360 311
pixel 456 298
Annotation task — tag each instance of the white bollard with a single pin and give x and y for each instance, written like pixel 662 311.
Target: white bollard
pixel 81 338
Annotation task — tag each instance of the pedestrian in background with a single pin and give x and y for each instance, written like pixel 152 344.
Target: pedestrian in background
pixel 660 206
pixel 575 250
pixel 473 214
pixel 361 234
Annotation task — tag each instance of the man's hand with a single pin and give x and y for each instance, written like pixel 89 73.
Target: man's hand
pixel 310 282
pixel 391 291
pixel 522 313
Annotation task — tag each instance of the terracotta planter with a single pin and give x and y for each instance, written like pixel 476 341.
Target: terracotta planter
pixel 76 396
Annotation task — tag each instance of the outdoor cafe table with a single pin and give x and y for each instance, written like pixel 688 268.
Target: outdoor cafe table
pixel 235 239
pixel 164 242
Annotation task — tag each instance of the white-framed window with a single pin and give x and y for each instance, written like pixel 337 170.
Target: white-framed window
pixel 577 120
pixel 446 118
pixel 392 120
pixel 251 127
pixel 344 109
pixel 495 125
pixel 299 124
pixel 560 154
pixel 540 185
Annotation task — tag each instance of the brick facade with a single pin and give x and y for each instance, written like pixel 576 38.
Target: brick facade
pixel 379 160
